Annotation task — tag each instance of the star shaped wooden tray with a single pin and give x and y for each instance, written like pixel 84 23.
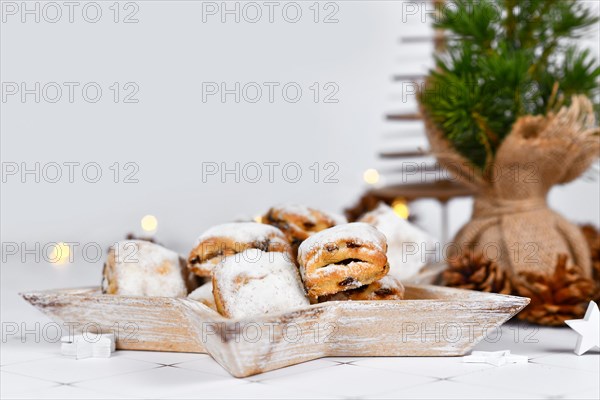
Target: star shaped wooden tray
pixel 430 321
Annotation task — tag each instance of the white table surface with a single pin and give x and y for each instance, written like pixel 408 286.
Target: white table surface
pixel 35 369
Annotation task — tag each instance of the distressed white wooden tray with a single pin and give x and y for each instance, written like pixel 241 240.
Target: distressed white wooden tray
pixel 431 321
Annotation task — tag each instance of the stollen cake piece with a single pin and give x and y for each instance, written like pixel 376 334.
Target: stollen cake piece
pixel 142 268
pixel 409 247
pixel 298 222
pixel 342 258
pixel 255 282
pixel 386 288
pixel 228 239
pixel 204 294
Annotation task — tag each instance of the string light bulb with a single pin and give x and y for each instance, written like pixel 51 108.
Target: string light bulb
pixel 149 223
pixel 400 207
pixel 60 254
pixel 371 176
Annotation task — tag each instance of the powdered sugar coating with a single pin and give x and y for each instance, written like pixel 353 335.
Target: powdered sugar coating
pixel 141 268
pixel 307 212
pixel 357 231
pixel 389 282
pixel 204 294
pixel 242 232
pixel 254 282
pixel 409 247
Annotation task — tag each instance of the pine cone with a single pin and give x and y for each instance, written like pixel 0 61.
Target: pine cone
pixel 475 272
pixel 592 236
pixel 367 202
pixel 563 296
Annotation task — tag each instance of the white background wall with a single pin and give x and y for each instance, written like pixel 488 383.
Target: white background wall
pixel 170 132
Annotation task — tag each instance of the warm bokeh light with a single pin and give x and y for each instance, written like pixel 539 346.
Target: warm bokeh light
pixel 149 223
pixel 60 254
pixel 400 207
pixel 371 176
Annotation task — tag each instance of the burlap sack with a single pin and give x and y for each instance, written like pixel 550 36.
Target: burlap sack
pixel 511 221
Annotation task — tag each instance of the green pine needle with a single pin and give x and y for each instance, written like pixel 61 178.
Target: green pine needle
pixel 505 59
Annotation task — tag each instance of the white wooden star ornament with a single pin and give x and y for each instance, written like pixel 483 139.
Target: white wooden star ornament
pixel 497 358
pixel 588 329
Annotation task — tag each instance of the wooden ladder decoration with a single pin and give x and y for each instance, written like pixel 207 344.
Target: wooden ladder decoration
pixel 443 190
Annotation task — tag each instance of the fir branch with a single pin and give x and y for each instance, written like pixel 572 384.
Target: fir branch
pixel 508 59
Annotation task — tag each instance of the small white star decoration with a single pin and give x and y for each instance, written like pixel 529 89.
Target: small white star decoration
pixel 497 358
pixel 588 329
